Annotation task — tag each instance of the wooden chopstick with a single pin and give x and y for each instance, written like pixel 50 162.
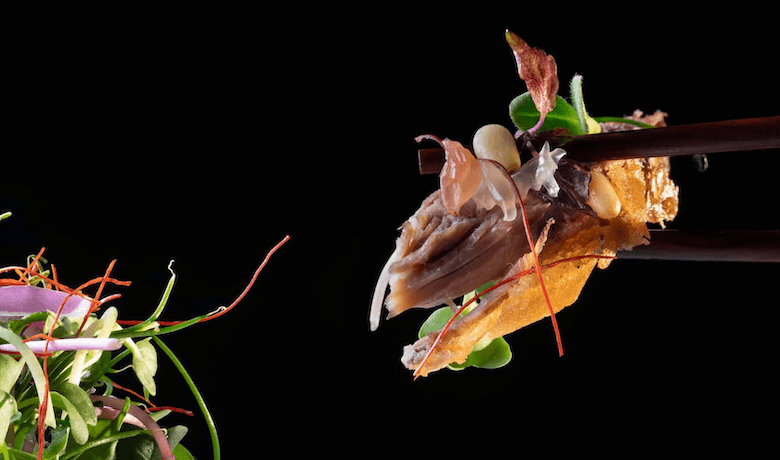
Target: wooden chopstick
pixel 743 135
pixel 709 246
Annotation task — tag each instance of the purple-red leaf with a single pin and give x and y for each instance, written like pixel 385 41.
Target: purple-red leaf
pixel 539 72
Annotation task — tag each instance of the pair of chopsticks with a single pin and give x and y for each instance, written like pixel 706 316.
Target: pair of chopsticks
pixel 752 134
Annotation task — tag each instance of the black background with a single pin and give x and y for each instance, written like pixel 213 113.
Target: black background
pixel 207 136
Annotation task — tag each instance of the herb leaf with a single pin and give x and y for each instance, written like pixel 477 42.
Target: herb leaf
pixel 80 400
pixel 496 354
pixel 78 426
pixel 525 115
pixel 181 453
pixel 539 72
pixel 143 446
pixel 144 363
pixel 9 372
pixel 7 410
pixel 493 354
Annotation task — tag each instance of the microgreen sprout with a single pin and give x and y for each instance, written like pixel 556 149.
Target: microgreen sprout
pixel 55 353
pixel 486 354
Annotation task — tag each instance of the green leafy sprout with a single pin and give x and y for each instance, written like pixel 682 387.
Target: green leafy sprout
pixel 77 384
pixel 486 354
pixel 75 431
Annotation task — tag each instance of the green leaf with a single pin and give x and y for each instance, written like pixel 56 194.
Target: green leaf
pixel 144 363
pixel 17 325
pixel 20 436
pixel 17 454
pixel 496 354
pixel 436 321
pixel 80 400
pixel 59 441
pixel 103 451
pixel 77 424
pixel 524 115
pixel 139 447
pixel 86 451
pixel 9 372
pixel 159 414
pixel 175 434
pixel 97 448
pixel 102 429
pixel 181 453
pixel 7 410
pixel 489 354
pixel 143 447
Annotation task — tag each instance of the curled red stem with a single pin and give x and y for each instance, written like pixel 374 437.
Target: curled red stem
pixel 235 302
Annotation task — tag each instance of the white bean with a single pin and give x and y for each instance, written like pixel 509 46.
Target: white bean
pixel 495 142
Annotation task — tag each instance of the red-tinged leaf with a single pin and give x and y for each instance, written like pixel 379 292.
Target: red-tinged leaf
pixel 539 72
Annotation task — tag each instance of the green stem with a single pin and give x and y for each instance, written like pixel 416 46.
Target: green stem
pixel 124 333
pixel 578 102
pixel 160 305
pixel 201 403
pixel 627 121
pixel 118 358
